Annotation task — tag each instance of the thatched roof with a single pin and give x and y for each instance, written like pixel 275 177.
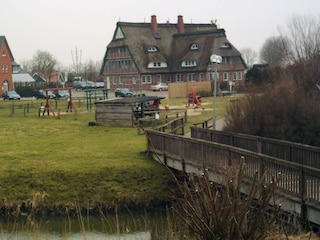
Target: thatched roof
pixel 173 47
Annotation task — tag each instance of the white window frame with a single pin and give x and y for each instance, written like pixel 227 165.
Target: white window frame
pixel 190 77
pixel 159 78
pixel 225 76
pixel 114 80
pixel 212 74
pixel 239 75
pixel 179 77
pixel 188 63
pixel 145 79
pixel 168 78
pixel 152 49
pixel 194 46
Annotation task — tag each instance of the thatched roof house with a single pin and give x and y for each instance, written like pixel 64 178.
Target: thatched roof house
pixel 141 54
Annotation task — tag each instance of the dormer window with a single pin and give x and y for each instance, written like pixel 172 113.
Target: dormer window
pixel 188 63
pixel 194 46
pixel 226 45
pixel 4 54
pixel 157 65
pixel 152 49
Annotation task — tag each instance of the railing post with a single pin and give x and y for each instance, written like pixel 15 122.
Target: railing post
pixel 182 123
pixel 262 168
pixel 258 145
pixel 302 184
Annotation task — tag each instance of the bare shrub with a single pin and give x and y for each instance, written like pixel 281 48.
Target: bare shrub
pixel 281 111
pixel 221 211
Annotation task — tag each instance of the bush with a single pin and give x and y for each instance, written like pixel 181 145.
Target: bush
pixel 282 111
pixel 26 91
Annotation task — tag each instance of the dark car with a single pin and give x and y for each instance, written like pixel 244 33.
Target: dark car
pixel 41 94
pixel 61 94
pixel 99 84
pixel 90 84
pixel 79 85
pixel 123 92
pixel 11 95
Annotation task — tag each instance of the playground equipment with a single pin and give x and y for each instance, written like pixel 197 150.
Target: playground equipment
pixel 92 95
pixel 47 108
pixel 193 98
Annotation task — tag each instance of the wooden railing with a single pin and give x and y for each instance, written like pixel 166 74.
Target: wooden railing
pixel 171 121
pixel 293 152
pixel 298 181
pixel 175 113
pixel 204 124
pixel 176 126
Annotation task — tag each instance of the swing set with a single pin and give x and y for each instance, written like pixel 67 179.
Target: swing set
pixel 47 108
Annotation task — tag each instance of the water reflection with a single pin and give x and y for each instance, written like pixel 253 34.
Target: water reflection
pixel 125 226
pixel 76 236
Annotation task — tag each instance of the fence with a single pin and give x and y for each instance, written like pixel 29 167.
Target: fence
pixel 180 89
pixel 14 107
pixel 298 183
pixel 289 151
pixel 173 121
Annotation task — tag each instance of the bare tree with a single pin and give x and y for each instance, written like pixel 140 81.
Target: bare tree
pixel 77 64
pixel 303 34
pixel 91 69
pixel 249 56
pixel 43 61
pixel 26 65
pixel 275 51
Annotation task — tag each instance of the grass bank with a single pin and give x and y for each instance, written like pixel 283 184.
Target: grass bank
pixel 57 165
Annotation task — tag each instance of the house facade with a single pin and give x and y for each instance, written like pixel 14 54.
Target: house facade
pixel 53 78
pixel 6 59
pixel 142 54
pixel 20 78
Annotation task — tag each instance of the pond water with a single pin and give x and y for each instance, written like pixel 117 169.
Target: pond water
pixel 125 226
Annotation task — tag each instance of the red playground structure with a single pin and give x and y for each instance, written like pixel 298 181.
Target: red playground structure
pixel 47 108
pixel 193 98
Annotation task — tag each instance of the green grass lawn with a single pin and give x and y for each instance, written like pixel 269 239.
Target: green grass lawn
pixel 62 161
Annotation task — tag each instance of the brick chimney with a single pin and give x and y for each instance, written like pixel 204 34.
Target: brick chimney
pixel 180 24
pixel 154 24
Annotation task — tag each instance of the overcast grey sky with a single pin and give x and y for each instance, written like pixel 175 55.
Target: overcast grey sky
pixel 61 26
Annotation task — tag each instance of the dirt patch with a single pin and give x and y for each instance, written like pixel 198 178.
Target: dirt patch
pixel 191 110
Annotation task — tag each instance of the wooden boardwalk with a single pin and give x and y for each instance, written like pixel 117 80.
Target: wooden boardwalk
pixel 298 192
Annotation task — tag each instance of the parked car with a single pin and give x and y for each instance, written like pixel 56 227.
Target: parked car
pixel 42 94
pixel 159 87
pixel 79 85
pixel 99 84
pixel 11 95
pixel 61 94
pixel 90 84
pixel 123 92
